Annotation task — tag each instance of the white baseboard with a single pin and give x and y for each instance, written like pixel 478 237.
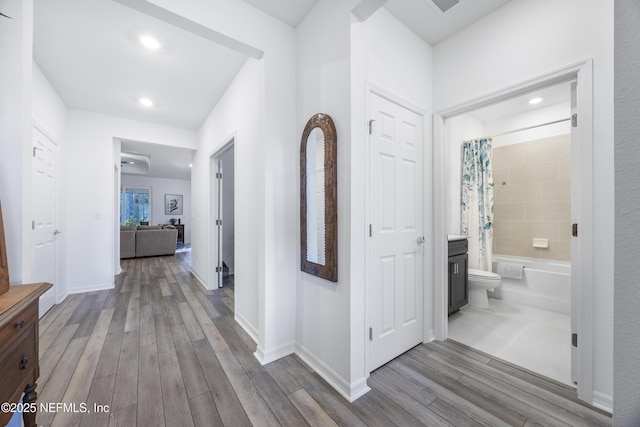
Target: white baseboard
pixel 265 357
pixel 429 336
pixel 198 278
pixel 248 327
pixel 92 288
pixel 603 401
pixel 350 391
pixel 60 298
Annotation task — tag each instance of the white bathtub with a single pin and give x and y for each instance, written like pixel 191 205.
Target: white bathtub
pixel 545 283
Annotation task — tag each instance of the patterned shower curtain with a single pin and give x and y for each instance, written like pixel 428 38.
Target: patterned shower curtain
pixel 476 214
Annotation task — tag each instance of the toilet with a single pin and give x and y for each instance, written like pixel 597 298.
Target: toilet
pixel 480 282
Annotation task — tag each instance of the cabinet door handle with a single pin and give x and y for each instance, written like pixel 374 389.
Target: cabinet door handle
pixel 19 325
pixel 23 362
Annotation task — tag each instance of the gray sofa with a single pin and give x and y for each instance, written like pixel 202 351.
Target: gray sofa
pixel 147 240
pixel 127 241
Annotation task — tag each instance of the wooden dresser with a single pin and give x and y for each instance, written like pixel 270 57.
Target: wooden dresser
pixel 19 368
pixel 19 349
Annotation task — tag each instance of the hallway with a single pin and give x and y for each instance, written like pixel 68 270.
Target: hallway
pixel 160 350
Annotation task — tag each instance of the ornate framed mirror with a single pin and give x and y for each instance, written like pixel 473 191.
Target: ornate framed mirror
pixel 319 198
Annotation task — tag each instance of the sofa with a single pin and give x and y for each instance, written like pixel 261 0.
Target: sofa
pixel 127 241
pixel 147 240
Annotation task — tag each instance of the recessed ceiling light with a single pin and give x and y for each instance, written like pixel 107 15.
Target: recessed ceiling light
pixel 534 101
pixel 146 102
pixel 132 163
pixel 150 43
pixel 190 165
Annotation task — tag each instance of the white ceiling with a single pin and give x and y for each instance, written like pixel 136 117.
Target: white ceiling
pixel 291 12
pixel 426 20
pixel 89 50
pixel 156 160
pixel 560 93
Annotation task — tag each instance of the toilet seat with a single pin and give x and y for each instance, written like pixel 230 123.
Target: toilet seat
pixel 481 277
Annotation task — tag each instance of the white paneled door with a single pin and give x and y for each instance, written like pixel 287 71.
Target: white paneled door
pixel 396 230
pixel 43 260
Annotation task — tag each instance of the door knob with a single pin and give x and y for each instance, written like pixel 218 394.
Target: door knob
pixel 56 232
pixel 420 240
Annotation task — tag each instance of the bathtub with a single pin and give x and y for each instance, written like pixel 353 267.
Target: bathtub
pixel 545 283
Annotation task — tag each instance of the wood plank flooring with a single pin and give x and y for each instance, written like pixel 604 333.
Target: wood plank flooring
pixel 161 350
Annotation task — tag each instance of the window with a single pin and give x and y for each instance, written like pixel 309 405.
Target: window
pixel 135 206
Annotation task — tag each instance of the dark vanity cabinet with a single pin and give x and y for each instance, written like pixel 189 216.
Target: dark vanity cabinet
pixel 458 282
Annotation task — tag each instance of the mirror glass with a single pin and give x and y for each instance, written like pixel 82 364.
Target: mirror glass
pixel 315 197
pixel 318 198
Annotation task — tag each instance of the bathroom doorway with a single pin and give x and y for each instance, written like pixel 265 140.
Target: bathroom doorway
pixel 579 102
pixel 529 320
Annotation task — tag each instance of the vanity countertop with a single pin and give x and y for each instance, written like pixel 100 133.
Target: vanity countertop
pixel 454 237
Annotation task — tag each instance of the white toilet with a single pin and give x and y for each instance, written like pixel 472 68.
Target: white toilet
pixel 479 283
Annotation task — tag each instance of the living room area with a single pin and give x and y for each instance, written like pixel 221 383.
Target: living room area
pixel 154 199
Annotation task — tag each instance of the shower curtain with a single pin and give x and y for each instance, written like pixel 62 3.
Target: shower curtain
pixel 476 214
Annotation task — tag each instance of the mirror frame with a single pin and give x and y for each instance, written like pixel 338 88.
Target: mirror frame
pixel 329 270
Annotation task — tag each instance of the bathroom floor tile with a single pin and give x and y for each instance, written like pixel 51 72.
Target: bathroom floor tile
pixel 536 339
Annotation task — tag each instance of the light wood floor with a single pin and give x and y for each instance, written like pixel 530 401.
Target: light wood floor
pixel 160 350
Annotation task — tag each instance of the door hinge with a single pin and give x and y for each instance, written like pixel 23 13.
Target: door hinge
pixel 33 225
pixel 371 126
pixel 574 230
pixel 574 120
pixel 218 222
pixel 218 175
pixel 370 334
pixel 370 230
pixel 574 340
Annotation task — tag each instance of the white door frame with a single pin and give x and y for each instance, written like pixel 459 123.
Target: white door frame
pixel 215 212
pixel 426 208
pixel 582 270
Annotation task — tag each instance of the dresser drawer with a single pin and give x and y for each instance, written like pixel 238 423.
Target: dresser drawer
pixel 16 327
pixel 18 362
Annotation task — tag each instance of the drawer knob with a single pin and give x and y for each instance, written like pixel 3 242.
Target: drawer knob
pixel 19 325
pixel 23 362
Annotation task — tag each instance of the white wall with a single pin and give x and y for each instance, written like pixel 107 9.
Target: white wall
pixel 511 46
pixel 48 110
pixel 626 411
pixel 560 111
pixel 323 79
pixel 16 130
pixel 274 211
pixel 88 180
pixel 160 187
pixel 333 73
pixel 238 116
